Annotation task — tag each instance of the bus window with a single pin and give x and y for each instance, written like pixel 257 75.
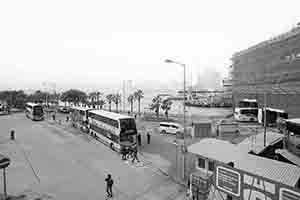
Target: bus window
pixel 38 110
pixel 125 138
pixel 127 124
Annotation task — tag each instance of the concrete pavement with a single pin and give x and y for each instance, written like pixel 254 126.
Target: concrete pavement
pixel 58 163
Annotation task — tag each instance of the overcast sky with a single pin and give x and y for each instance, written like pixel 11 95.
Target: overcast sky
pixel 93 43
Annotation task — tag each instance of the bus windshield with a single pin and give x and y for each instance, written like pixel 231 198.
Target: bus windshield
pixel 126 138
pixel 127 124
pixel 38 110
pixel 247 104
pixel 249 112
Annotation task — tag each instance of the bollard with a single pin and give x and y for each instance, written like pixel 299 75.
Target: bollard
pixel 12 134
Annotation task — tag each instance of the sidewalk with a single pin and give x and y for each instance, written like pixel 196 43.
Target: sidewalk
pixel 160 187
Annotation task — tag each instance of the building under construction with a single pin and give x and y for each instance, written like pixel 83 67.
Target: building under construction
pixel 270 72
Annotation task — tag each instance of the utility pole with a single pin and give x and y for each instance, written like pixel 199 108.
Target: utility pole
pixel 184 128
pixel 265 118
pixel 184 113
pixel 124 95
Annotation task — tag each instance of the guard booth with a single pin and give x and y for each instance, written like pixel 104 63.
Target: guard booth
pixel 200 185
pixel 201 129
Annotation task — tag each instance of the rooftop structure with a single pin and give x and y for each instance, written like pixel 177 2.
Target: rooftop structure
pixel 226 152
pixel 255 143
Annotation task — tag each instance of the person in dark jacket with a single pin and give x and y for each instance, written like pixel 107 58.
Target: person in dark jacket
pixel 148 138
pixel 109 183
pixel 135 155
pixel 139 139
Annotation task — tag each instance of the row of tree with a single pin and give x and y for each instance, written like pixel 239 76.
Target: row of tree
pixel 18 98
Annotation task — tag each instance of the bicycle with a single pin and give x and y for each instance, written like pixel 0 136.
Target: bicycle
pixel 129 155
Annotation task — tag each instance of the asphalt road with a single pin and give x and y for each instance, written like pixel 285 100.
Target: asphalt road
pixel 63 163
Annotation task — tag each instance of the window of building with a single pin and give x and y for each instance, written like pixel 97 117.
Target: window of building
pixel 211 166
pixel 201 163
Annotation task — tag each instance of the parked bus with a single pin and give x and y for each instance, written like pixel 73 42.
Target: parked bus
pixel 247 111
pixel 79 116
pixel 273 115
pixel 246 114
pixel 113 129
pixel 34 111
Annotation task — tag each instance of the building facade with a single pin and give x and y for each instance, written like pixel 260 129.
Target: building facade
pixel 270 69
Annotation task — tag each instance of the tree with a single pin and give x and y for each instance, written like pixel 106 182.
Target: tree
pixel 14 98
pixel 101 103
pixel 93 96
pixel 166 106
pixel 39 96
pixel 131 100
pixel 109 98
pixel 116 99
pixel 138 95
pixel 156 103
pixel 75 96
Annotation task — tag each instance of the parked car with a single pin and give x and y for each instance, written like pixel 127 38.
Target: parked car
pixel 227 126
pixel 64 109
pixel 170 127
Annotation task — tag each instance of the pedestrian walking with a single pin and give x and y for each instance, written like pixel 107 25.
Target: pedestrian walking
pixel 139 139
pixel 67 118
pixel 109 183
pixel 148 137
pixel 53 116
pixel 112 146
pixel 135 155
pixel 123 152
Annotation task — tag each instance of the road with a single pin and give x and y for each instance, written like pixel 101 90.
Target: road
pixel 62 163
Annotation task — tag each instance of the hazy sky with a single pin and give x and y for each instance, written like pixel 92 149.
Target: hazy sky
pixel 95 43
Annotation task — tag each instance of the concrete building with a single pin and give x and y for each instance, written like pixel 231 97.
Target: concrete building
pixel 271 67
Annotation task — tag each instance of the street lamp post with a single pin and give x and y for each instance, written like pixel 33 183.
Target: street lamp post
pixel 184 111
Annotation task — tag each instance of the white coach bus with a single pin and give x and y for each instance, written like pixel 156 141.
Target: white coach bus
pixel 34 111
pixel 247 111
pixel 79 116
pixel 113 129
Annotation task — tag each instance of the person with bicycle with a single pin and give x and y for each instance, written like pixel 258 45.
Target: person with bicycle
pixel 124 152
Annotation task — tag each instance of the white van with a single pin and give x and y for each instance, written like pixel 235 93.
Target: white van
pixel 170 127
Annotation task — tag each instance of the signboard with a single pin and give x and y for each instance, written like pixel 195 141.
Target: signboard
pixel 247 186
pixel 4 162
pixel 228 180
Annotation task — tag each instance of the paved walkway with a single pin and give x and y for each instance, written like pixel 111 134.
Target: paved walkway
pixel 54 162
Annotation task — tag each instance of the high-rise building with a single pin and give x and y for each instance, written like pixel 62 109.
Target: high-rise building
pixel 271 67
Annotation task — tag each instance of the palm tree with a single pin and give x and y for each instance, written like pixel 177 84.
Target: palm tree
pixel 138 95
pixel 109 98
pixel 98 94
pixel 93 96
pixel 116 99
pixel 166 106
pixel 101 103
pixel 131 100
pixel 156 103
pixel 75 96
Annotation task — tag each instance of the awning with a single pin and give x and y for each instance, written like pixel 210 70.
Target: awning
pixel 293 125
pixel 289 156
